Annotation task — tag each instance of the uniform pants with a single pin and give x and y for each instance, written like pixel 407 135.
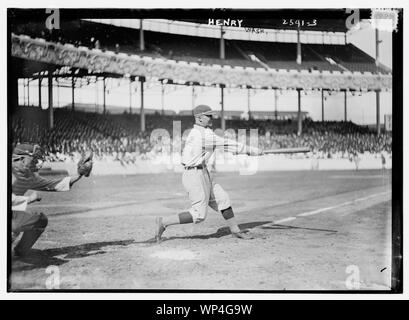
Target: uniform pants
pixel 203 193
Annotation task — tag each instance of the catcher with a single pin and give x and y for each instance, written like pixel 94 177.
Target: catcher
pixel 202 191
pixel 26 161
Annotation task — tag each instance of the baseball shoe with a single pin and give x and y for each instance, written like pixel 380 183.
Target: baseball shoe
pixel 159 230
pixel 242 235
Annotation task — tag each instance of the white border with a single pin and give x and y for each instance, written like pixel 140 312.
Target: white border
pixel 186 4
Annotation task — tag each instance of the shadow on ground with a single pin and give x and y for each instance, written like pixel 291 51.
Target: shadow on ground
pixel 264 225
pixel 281 226
pixel 34 260
pixel 44 258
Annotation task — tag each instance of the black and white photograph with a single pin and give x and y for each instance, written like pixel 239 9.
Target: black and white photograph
pixel 204 150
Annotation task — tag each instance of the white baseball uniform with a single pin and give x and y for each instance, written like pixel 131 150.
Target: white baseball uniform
pixel 199 147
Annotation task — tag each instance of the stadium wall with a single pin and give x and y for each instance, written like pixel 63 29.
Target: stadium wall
pixel 241 164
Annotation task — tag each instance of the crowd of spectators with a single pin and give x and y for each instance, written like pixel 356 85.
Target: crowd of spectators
pixel 118 137
pixel 332 139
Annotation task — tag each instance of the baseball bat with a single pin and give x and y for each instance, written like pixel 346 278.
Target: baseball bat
pixel 287 150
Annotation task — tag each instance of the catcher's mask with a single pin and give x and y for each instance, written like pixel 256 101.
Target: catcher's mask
pixel 27 159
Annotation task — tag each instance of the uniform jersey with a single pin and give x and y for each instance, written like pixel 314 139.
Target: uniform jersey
pixel 201 143
pixel 36 182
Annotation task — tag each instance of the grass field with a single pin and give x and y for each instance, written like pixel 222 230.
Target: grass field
pixel 312 231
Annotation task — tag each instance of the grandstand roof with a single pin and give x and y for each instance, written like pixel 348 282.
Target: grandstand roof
pixel 275 55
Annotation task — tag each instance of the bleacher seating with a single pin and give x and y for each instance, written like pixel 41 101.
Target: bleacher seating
pixel 206 50
pixel 110 136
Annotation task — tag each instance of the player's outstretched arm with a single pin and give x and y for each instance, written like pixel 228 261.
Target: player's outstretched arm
pixel 253 151
pixel 228 145
pixel 33 197
pixel 212 140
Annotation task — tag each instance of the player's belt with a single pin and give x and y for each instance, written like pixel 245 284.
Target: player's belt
pixel 199 167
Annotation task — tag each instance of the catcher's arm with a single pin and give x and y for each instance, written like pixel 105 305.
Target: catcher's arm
pixel 33 197
pixel 84 167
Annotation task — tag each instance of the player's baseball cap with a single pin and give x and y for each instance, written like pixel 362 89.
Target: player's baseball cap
pixel 26 149
pixel 203 109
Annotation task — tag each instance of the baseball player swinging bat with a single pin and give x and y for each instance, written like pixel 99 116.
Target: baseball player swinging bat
pixel 203 192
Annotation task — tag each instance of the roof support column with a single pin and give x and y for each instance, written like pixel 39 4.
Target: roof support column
pixel 50 101
pixel 39 91
pixel 299 60
pixel 104 89
pixel 28 91
pixel 275 104
pixel 24 91
pixel 248 102
pixel 322 105
pixel 378 116
pixel 72 93
pixel 377 42
pixel 130 94
pixel 223 122
pixel 299 131
pixel 222 48
pixel 141 37
pixel 142 113
pixel 162 98
pixel 345 106
pixel 193 96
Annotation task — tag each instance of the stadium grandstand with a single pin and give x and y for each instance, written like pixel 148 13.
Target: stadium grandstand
pixel 188 53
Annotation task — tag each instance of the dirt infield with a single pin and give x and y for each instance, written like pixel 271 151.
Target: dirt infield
pixel 312 231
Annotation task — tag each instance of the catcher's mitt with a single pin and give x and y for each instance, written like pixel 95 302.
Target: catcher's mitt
pixel 84 166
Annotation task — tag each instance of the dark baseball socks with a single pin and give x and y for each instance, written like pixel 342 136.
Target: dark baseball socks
pixel 181 218
pixel 228 215
pixel 185 217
